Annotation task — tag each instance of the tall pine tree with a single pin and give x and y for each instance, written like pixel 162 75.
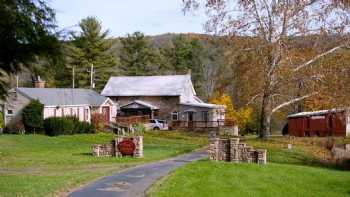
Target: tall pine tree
pixel 137 56
pixel 92 47
pixel 27 32
pixel 187 54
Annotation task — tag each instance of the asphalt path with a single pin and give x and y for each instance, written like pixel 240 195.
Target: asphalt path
pixel 135 181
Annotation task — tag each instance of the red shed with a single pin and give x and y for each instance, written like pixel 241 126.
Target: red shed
pixel 334 122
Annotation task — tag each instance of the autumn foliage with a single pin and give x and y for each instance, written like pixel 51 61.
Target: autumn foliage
pixel 242 116
pixel 98 121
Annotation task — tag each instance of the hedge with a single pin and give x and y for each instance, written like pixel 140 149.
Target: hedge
pixel 66 126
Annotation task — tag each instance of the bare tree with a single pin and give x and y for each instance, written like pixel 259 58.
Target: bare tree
pixel 274 23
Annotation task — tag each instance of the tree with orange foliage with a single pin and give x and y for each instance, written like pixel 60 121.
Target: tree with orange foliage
pixel 242 116
pixel 224 99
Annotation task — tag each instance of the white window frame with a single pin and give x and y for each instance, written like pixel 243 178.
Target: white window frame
pixel 207 115
pixel 175 113
pixel 9 114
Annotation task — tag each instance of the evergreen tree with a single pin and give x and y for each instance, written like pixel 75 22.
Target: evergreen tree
pixel 27 32
pixel 91 47
pixel 32 116
pixel 137 56
pixel 187 54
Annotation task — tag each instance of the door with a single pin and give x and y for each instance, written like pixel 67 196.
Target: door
pixel 190 119
pixel 105 112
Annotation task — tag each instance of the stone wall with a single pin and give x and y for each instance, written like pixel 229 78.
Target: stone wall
pixel 341 153
pixel 111 149
pixel 100 150
pixel 232 150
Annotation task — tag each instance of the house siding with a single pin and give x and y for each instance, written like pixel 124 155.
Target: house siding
pixel 16 103
pixel 77 111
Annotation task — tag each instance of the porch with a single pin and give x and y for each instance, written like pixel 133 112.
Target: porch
pixel 139 108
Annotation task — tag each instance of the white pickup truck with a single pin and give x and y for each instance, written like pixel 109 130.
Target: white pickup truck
pixel 156 124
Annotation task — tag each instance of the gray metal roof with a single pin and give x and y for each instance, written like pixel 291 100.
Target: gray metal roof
pixel 63 96
pixel 167 85
pixel 205 105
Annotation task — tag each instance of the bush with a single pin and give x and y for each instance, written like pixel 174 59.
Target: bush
pixel 32 116
pixel 59 126
pixel 139 128
pixel 84 127
pixel 98 121
pixel 66 126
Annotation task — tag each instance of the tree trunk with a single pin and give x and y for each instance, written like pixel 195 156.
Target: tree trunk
pixel 265 117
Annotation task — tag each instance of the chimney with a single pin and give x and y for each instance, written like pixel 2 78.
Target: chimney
pixel 39 83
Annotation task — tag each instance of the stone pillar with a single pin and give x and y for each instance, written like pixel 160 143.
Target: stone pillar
pixel 234 151
pixel 116 142
pixel 261 153
pixel 224 150
pixel 138 141
pixel 213 148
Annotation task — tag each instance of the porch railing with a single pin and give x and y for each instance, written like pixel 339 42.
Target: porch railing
pixel 132 119
pixel 202 124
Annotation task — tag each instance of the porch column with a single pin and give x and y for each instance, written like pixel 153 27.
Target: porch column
pixel 152 114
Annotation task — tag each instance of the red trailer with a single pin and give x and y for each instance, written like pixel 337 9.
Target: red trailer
pixel 334 122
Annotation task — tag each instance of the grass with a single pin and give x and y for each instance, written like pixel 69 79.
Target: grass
pixel 37 165
pixel 302 171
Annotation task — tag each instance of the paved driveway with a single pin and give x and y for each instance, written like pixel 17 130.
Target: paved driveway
pixel 135 181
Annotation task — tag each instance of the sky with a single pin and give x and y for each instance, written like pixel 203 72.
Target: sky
pixel 121 17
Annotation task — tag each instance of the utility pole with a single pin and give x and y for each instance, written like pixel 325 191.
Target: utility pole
pixel 92 84
pixel 73 75
pixel 17 79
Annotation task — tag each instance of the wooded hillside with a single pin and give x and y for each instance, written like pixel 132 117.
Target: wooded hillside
pixel 218 68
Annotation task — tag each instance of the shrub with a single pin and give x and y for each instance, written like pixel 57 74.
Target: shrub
pixel 32 116
pixel 98 121
pixel 84 127
pixel 139 128
pixel 15 128
pixel 59 126
pixel 66 126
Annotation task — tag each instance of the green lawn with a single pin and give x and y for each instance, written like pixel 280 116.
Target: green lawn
pixel 297 172
pixel 37 165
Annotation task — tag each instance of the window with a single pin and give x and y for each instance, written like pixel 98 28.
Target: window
pixel 205 116
pixel 9 112
pixel 86 114
pixel 175 116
